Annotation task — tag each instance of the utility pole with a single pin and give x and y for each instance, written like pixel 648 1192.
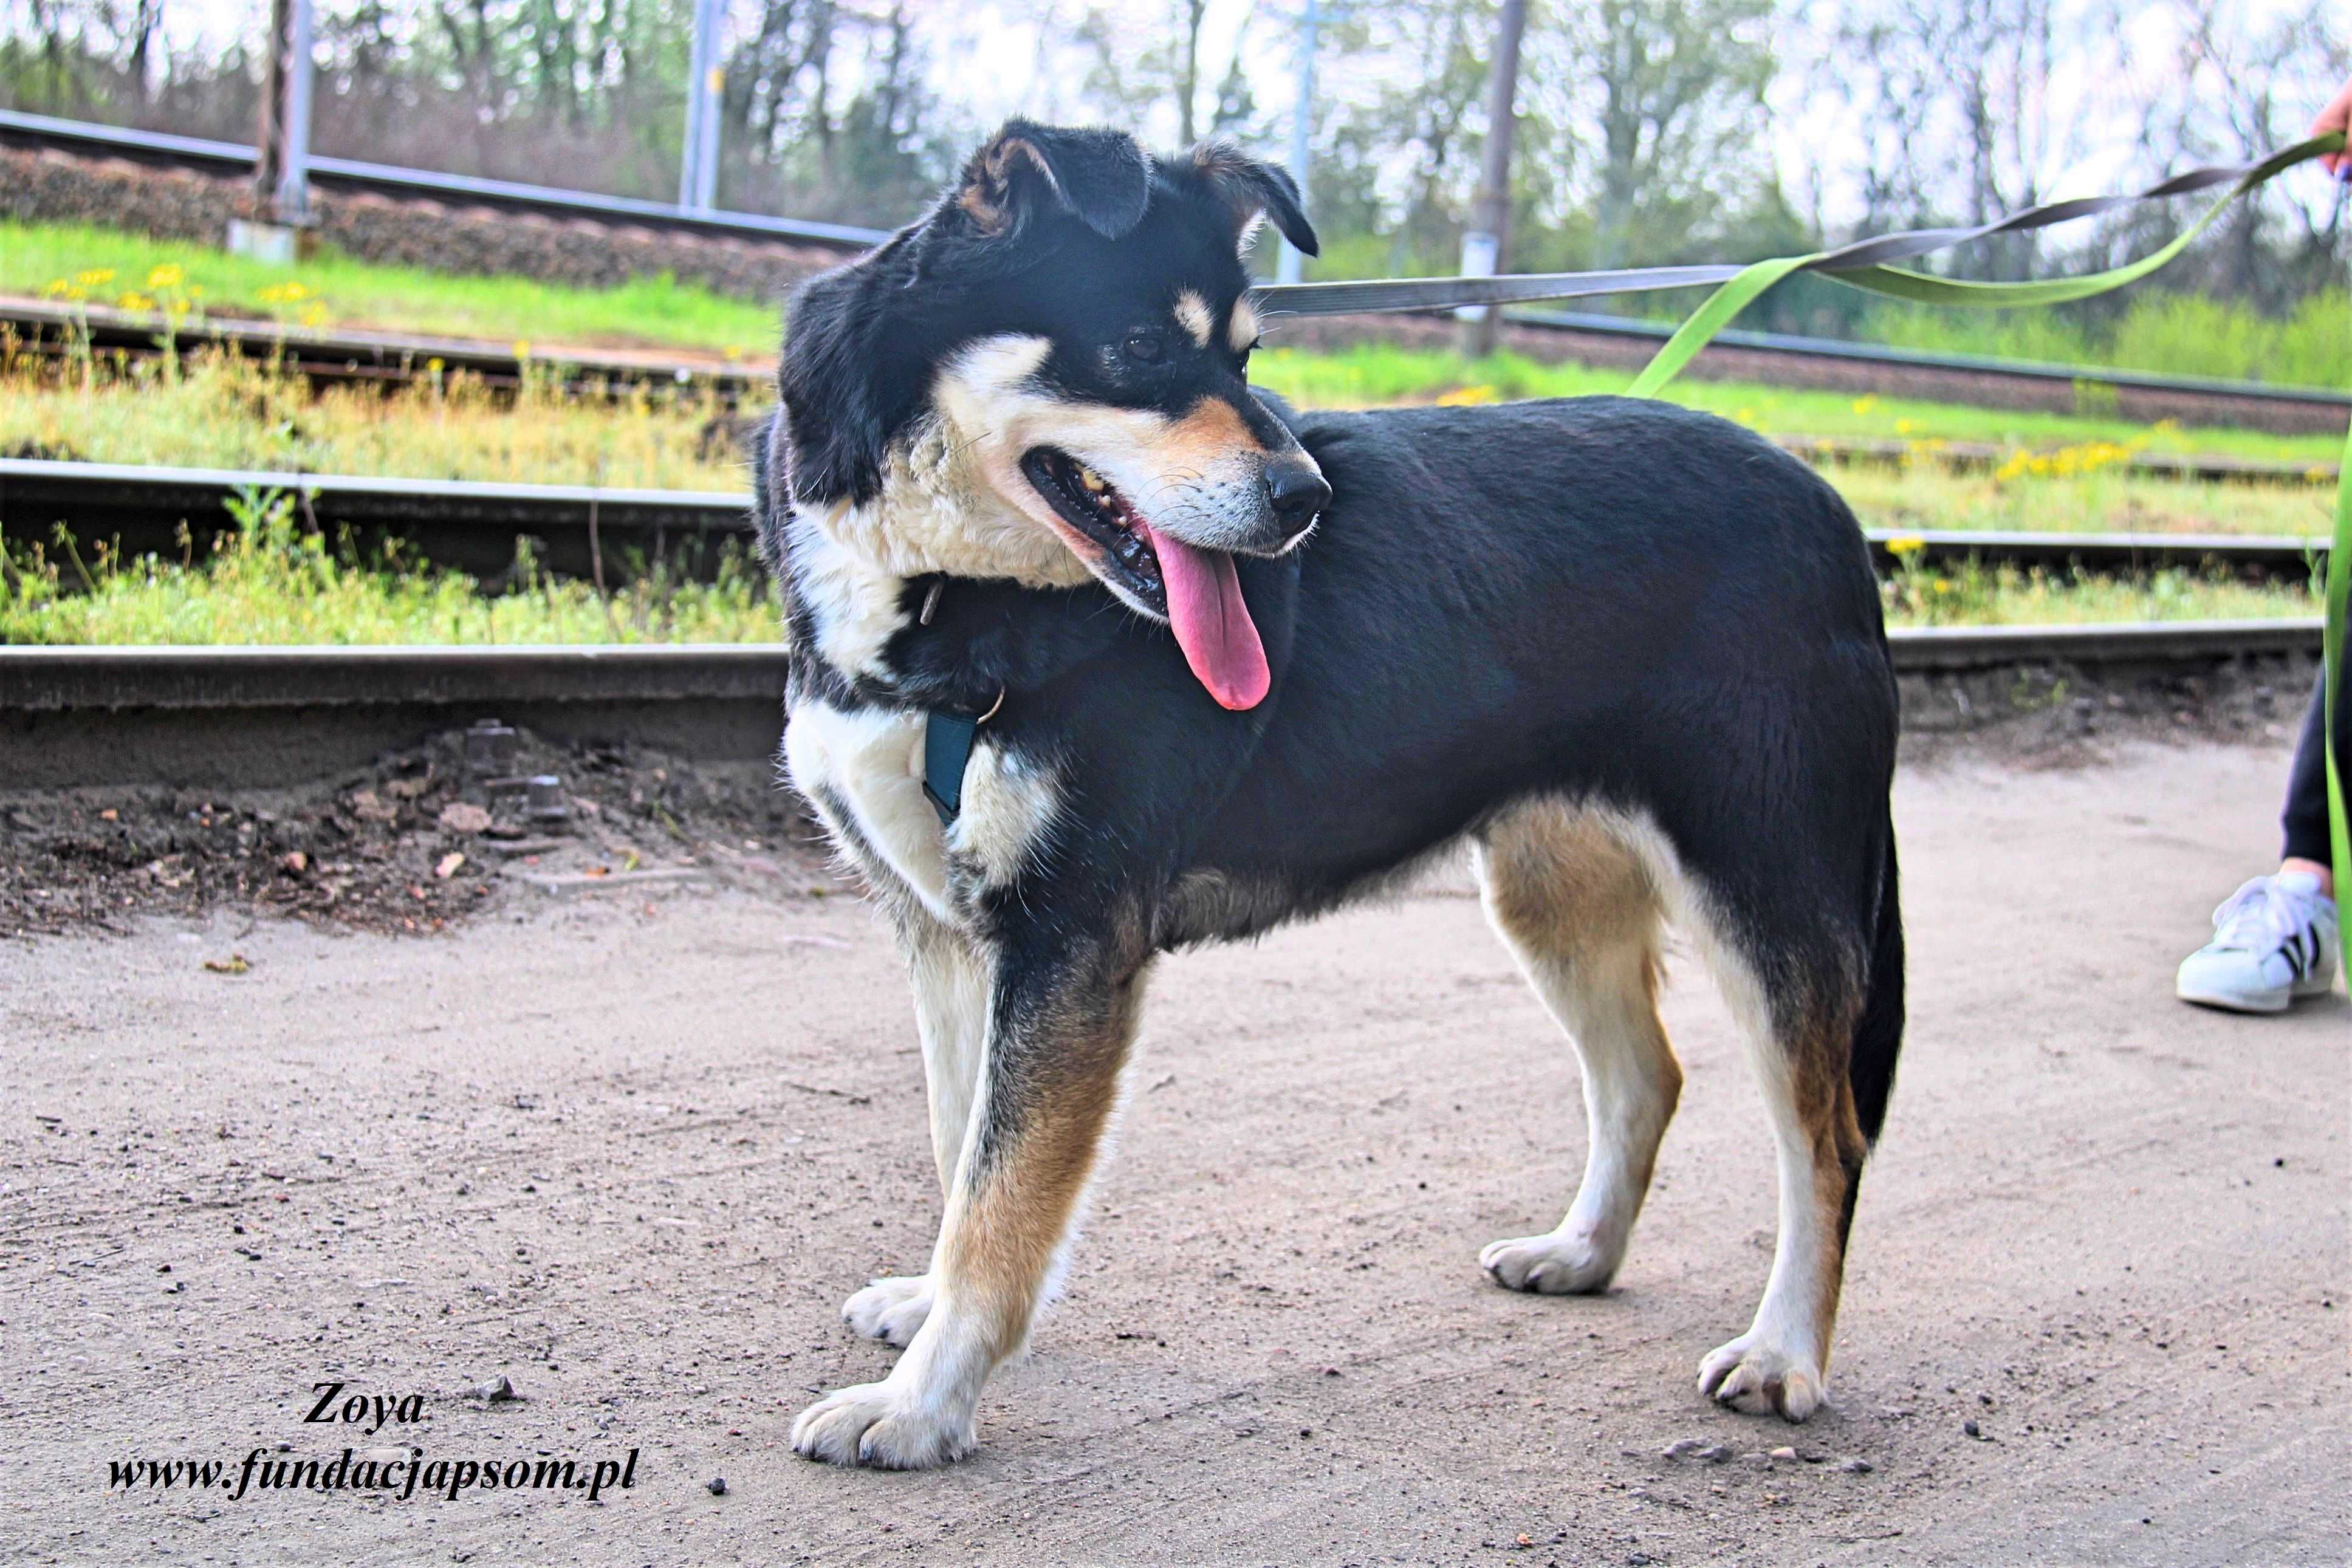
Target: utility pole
pixel 1302 128
pixel 698 178
pixel 282 167
pixel 1490 219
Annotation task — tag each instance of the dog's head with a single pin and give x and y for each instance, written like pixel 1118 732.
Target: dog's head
pixel 1068 330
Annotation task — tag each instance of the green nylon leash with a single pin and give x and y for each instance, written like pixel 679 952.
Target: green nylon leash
pixel 1750 284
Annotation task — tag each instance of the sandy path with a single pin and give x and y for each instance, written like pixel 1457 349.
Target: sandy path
pixel 635 1160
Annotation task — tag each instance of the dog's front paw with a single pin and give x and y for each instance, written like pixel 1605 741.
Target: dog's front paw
pixel 880 1426
pixel 1553 1264
pixel 1758 1378
pixel 890 1309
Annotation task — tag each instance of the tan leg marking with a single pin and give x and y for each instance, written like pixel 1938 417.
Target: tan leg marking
pixel 1578 905
pixel 1781 1363
pixel 1015 1202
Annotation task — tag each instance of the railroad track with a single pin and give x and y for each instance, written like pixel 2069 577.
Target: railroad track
pixel 474 527
pixel 354 357
pixel 231 718
pixel 471 527
pixel 1768 357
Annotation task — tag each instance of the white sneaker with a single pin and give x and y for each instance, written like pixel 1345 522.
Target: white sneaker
pixel 2274 943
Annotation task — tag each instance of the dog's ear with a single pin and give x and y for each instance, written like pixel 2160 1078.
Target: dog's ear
pixel 840 393
pixel 1099 177
pixel 1252 190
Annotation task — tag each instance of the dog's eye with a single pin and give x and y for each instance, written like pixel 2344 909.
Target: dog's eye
pixel 1145 348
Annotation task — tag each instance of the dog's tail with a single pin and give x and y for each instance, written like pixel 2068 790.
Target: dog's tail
pixel 1878 1037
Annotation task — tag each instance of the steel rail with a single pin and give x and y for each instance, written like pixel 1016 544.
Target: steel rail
pixel 111 490
pixel 1935 359
pixel 346 355
pixel 475 526
pixel 52 679
pixel 55 679
pixel 578 531
pixel 234 158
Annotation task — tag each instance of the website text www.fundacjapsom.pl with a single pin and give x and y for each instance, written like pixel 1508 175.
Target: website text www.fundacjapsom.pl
pixel 404 1474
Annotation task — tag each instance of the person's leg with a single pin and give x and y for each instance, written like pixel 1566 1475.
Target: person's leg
pixel 2304 820
pixel 2274 939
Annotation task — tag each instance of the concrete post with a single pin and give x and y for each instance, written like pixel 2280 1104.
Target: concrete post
pixel 1481 246
pixel 282 168
pixel 698 182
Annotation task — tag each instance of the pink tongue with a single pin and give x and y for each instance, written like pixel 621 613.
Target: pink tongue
pixel 1212 623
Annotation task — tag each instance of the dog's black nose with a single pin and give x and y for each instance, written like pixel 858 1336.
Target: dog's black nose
pixel 1299 492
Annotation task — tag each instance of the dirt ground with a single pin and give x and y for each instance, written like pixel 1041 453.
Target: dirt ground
pixel 631 1151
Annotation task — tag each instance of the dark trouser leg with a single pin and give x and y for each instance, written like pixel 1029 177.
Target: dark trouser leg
pixel 2305 818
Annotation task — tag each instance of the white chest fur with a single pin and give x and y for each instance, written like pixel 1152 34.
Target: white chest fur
pixel 865 772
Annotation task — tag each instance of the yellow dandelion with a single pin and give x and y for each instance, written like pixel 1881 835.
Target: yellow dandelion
pixel 1906 547
pixel 1467 397
pixel 1866 404
pixel 167 276
pixel 96 277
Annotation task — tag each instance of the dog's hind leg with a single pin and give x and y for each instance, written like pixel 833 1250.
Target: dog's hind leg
pixel 1058 1034
pixel 1575 902
pixel 1801 1025
pixel 950 977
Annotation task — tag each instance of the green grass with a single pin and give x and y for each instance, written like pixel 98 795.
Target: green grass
pixel 1924 495
pixel 1372 374
pixel 271 583
pixel 215 413
pixel 1969 594
pixel 109 266
pixel 2169 334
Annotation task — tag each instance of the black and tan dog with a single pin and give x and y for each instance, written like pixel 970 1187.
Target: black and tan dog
pixel 1233 666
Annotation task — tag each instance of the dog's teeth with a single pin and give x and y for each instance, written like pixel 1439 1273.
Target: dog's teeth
pixel 1091 480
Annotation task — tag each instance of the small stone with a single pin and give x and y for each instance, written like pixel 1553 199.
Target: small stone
pixel 498 1390
pixel 1857 1467
pixel 1686 1449
pixel 718 1486
pixel 1784 1453
pixel 295 863
pixel 1971 1428
pixel 463 817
